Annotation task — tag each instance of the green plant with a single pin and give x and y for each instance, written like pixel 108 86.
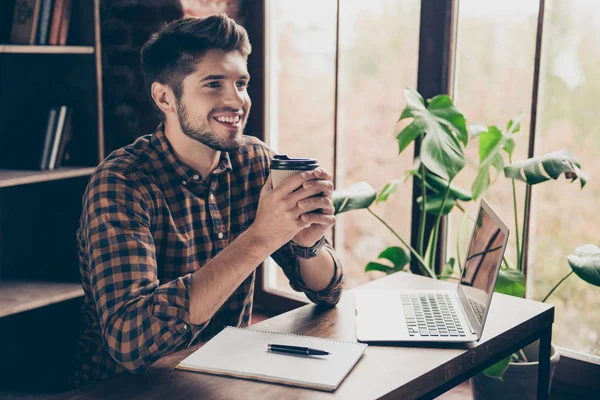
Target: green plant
pixel 444 135
pixel 585 263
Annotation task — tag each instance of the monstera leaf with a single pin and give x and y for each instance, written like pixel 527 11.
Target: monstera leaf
pixel 586 263
pixel 511 282
pixel 395 255
pixel 437 184
pixel 491 144
pixel 549 166
pixel 497 370
pixel 433 204
pixel 446 133
pixel 358 196
pixel 387 191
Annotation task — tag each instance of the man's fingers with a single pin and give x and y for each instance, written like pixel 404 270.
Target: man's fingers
pixel 312 188
pixel 322 173
pixel 314 203
pixel 318 218
pixel 292 183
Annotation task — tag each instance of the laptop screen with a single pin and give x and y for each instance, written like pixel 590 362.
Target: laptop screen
pixel 482 263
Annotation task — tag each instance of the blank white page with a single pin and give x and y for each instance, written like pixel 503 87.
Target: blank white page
pixel 243 353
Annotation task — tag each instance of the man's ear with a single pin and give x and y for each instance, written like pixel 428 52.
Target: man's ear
pixel 164 97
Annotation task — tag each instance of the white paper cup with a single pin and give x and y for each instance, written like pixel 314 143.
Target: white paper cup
pixel 283 167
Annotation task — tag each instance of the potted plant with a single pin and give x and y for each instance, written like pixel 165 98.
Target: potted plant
pixel 517 377
pixel 442 158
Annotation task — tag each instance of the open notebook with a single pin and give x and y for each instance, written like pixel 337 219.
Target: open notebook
pixel 243 353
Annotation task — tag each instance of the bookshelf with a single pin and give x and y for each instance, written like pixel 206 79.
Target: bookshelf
pixel 32 49
pixel 40 208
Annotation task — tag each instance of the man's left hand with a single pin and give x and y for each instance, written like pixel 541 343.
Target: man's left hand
pixel 315 198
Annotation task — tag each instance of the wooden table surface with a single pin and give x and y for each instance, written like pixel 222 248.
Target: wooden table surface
pixel 406 371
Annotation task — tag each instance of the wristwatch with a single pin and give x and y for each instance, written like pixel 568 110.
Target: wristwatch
pixel 306 252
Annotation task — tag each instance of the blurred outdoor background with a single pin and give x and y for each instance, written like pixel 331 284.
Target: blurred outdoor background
pixel 378 58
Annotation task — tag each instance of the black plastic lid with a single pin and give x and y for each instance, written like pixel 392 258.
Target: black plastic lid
pixel 282 161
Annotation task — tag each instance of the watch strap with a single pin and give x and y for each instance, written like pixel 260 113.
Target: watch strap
pixel 306 252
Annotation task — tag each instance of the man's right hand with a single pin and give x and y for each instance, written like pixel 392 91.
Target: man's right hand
pixel 278 215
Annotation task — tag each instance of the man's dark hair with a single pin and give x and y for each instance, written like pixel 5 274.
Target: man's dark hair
pixel 171 53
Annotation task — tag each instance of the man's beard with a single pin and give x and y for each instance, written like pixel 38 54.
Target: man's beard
pixel 204 134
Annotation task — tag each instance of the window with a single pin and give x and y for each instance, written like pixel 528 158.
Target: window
pixel 301 46
pixel 378 51
pixel 563 216
pixel 493 83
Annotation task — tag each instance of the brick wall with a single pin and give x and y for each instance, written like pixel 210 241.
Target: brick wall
pixel 125 26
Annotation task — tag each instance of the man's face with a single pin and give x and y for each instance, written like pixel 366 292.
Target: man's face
pixel 214 105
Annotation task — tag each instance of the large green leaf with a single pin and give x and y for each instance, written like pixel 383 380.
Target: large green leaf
pixel 433 204
pixel 488 141
pixel 410 133
pixel 511 282
pixel 396 255
pixel 441 149
pixel 491 143
pixel 497 370
pixel 514 124
pixel 586 263
pixel 358 196
pixel 387 191
pixel 549 166
pixel 476 129
pixel 438 184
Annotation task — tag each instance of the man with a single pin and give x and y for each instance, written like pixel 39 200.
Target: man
pixel 175 224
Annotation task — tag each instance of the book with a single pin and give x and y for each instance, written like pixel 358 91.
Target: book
pixel 60 123
pixel 57 16
pixel 50 128
pixel 242 353
pixel 44 24
pixel 65 22
pixel 25 21
pixel 63 154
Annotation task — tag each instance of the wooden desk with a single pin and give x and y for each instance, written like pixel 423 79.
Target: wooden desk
pixel 404 372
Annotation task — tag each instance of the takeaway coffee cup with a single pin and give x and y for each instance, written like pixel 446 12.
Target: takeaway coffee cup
pixel 282 166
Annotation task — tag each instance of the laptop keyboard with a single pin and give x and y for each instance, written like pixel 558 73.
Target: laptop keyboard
pixel 431 314
pixel 478 310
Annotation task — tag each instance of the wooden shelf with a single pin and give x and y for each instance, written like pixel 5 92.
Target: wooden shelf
pixel 10 177
pixel 19 296
pixel 31 49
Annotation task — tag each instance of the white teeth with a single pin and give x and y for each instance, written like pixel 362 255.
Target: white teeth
pixel 229 120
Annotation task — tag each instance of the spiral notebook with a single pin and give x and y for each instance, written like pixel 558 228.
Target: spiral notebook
pixel 242 353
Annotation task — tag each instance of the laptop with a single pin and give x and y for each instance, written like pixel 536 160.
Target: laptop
pixel 458 316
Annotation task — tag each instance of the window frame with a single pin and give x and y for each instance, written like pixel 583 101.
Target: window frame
pixel 437 43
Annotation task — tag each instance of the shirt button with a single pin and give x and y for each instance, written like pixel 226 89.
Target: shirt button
pixel 185 326
pixel 220 235
pixel 212 196
pixel 196 177
pixel 183 183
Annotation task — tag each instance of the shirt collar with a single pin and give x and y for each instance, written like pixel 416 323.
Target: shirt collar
pixel 168 158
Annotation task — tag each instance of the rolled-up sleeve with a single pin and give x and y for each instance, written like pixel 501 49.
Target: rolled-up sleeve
pixel 327 297
pixel 140 318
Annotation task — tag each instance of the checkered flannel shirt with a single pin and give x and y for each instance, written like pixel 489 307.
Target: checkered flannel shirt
pixel 148 222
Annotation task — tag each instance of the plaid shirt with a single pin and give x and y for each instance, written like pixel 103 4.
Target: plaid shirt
pixel 149 221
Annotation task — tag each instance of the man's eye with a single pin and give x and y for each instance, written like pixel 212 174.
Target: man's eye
pixel 243 84
pixel 213 85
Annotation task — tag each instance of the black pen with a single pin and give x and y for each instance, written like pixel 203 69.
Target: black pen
pixel 304 351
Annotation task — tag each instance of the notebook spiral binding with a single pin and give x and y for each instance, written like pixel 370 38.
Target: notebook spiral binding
pixel 293 334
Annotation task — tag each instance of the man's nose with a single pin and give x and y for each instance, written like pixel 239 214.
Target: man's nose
pixel 234 98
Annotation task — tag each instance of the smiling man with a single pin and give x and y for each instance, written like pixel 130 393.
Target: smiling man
pixel 175 224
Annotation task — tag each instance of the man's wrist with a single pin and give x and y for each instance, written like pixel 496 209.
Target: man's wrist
pixel 306 252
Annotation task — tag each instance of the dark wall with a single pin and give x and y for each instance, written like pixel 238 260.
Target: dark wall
pixel 126 25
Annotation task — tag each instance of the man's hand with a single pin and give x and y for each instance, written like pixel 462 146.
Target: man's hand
pixel 292 210
pixel 317 207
